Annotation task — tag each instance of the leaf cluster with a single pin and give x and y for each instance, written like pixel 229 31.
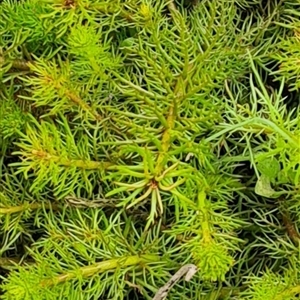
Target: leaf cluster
pixel 139 136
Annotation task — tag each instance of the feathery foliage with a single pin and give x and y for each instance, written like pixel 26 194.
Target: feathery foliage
pixel 140 136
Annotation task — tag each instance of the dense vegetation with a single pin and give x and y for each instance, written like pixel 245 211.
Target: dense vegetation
pixel 140 136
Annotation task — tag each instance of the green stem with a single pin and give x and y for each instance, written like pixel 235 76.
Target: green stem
pixel 24 65
pixel 291 292
pixel 101 267
pixel 67 162
pixel 78 101
pixel 72 96
pixel 166 142
pixel 27 206
pixel 11 263
pixel 206 233
pixel 19 64
pixel 172 7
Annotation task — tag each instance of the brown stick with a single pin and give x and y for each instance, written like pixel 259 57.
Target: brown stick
pixel 291 229
pixel 188 271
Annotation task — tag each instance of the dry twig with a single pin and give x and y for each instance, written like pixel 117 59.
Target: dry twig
pixel 188 271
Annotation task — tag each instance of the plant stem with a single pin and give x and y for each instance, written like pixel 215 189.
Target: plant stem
pixel 291 229
pixel 291 292
pixel 27 206
pixel 72 96
pixel 172 7
pixel 10 263
pixel 24 65
pixel 67 162
pixel 206 233
pixel 101 267
pixel 78 101
pixel 19 64
pixel 166 141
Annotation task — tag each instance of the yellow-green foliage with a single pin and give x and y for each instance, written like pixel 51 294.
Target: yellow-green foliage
pixel 139 136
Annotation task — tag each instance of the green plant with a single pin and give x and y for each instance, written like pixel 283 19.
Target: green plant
pixel 140 136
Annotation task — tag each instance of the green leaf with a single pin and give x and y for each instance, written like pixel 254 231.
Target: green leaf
pixel 263 187
pixel 269 167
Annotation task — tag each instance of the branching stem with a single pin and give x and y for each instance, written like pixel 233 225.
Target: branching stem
pixel 101 267
pixel 18 64
pixel 291 292
pixel 27 206
pixel 67 162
